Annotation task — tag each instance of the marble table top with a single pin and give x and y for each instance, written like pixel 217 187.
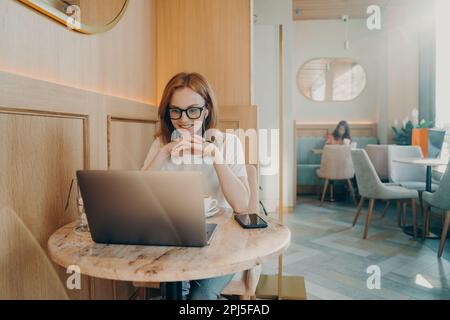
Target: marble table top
pixel 423 162
pixel 232 249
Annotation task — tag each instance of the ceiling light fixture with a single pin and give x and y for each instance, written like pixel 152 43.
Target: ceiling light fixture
pixel 347 42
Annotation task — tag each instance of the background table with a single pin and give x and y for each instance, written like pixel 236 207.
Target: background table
pixel 429 163
pixel 233 249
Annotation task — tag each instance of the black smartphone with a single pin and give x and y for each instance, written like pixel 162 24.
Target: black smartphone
pixel 250 221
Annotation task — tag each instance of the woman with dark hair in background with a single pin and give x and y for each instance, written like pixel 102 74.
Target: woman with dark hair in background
pixel 339 135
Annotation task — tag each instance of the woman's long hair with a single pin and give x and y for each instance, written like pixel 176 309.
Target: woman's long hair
pixel 195 82
pixel 346 135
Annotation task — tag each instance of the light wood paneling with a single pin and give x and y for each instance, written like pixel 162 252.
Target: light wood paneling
pixel 120 62
pixel 212 37
pixel 129 141
pixel 244 118
pixel 20 251
pixel 320 129
pixel 333 9
pixel 40 153
pixel 47 132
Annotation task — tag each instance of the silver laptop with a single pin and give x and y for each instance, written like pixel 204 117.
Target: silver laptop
pixel 145 208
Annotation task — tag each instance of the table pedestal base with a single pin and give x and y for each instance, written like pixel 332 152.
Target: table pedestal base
pixel 409 230
pixel 172 290
pixel 293 288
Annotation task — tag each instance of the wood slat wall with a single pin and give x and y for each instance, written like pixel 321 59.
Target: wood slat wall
pixel 49 131
pixel 120 62
pixel 212 37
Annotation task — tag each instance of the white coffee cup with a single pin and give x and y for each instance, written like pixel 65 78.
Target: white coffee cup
pixel 210 203
pixel 347 142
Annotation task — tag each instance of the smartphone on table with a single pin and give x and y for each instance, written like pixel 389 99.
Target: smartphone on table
pixel 250 221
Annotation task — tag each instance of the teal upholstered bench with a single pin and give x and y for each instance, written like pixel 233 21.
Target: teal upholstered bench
pixel 308 162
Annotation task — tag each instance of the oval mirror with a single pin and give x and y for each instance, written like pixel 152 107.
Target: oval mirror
pixel 331 79
pixel 86 16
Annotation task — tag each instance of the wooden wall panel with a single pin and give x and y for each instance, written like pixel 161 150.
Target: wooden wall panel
pixel 120 62
pixel 320 129
pixel 333 9
pixel 47 132
pixel 40 153
pixel 129 142
pixel 212 37
pixel 244 118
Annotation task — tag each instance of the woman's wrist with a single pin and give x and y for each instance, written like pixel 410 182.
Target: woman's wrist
pixel 164 154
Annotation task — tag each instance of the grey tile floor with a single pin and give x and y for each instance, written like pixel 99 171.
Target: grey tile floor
pixel 333 258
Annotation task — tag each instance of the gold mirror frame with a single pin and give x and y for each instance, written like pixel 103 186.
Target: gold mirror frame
pixel 50 11
pixel 302 69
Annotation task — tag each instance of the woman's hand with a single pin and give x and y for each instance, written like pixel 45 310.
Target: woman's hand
pixel 197 146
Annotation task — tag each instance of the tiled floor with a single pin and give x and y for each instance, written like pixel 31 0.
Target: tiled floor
pixel 333 257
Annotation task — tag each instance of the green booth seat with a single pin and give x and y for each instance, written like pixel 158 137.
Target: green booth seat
pixel 308 162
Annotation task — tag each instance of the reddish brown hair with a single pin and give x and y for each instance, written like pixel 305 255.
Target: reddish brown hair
pixel 195 82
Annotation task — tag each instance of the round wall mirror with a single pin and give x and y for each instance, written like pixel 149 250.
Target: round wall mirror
pixel 331 79
pixel 86 16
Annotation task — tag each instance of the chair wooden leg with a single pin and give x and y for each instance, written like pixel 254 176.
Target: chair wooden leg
pixel 358 211
pixel 318 188
pixel 352 191
pixel 385 210
pixel 414 217
pixel 444 234
pixel 142 293
pixel 332 191
pixel 399 213
pixel 422 207
pixel 325 187
pixel 368 218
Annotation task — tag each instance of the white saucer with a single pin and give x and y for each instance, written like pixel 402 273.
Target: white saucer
pixel 212 212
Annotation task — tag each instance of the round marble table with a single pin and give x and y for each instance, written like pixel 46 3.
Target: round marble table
pixel 232 249
pixel 428 163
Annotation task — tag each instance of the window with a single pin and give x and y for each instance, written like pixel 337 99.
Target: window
pixel 443 71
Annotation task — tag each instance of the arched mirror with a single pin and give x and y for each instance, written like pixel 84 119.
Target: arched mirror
pixel 331 79
pixel 86 16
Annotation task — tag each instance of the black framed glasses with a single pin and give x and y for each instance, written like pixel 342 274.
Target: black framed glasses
pixel 192 113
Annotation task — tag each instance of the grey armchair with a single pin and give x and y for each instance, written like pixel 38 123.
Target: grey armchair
pixel 370 187
pixel 440 199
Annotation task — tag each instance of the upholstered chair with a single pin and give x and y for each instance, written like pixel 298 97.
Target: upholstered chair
pixel 378 155
pixel 336 165
pixel 370 187
pixel 244 283
pixel 441 200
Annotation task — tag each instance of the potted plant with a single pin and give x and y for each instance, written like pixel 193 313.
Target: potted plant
pixel 403 136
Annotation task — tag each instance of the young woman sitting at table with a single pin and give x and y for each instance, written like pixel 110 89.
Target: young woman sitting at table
pixel 188 108
pixel 340 135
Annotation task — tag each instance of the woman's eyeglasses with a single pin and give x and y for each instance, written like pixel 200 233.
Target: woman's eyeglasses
pixel 192 113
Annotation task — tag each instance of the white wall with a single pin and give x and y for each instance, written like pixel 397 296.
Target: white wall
pixel 269 14
pixel 325 38
pixel 390 57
